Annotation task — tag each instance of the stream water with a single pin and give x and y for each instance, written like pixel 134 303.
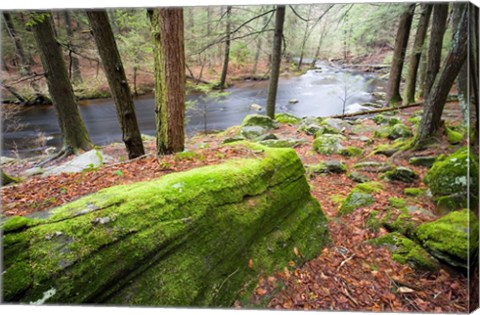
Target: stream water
pixel 319 92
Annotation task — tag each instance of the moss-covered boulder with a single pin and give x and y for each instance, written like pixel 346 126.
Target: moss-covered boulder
pixel 451 178
pixel 339 125
pixel 373 166
pixel 360 196
pixel 254 126
pixel 406 251
pixel 350 151
pixel 453 136
pixel 452 238
pixel 286 118
pixel 196 238
pixel 358 177
pixel 422 160
pixel 402 174
pixel 399 131
pixel 328 143
pixel 333 166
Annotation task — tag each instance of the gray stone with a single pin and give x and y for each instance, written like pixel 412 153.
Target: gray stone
pixel 86 161
pixel 252 132
pixel 32 172
pixel 328 143
pixel 293 101
pixel 401 174
pixel 358 177
pixel 373 166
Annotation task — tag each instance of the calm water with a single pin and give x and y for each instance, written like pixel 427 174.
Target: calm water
pixel 319 92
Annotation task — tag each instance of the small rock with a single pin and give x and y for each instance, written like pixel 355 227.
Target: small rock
pixel 293 101
pixel 358 177
pixel 256 107
pixel 422 160
pixel 401 174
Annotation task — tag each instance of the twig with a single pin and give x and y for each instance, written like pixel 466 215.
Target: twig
pixel 345 261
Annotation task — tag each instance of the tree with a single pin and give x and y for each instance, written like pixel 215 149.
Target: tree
pixel 226 57
pixel 74 69
pixel 276 60
pixel 401 41
pixel 416 54
pixel 73 130
pixel 439 22
pixel 117 80
pixel 169 58
pixel 23 60
pixel 435 101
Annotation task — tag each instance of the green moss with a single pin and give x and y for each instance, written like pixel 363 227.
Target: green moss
pixel 422 160
pixel 369 187
pixel 183 239
pixel 406 251
pixel 401 174
pixel 282 143
pixel 358 177
pixel 16 223
pixel 452 238
pixel 350 151
pixel 259 120
pixel 414 192
pixel 286 118
pixel 372 222
pixel 328 144
pixel 453 176
pixel 355 200
pixel 397 202
pixel 454 137
pixel 336 167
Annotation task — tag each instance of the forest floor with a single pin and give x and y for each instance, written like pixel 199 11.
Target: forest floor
pixel 348 274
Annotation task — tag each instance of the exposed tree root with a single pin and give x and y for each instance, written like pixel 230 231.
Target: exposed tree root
pixel 66 151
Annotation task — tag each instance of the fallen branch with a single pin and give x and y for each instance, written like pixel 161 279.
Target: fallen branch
pixel 375 111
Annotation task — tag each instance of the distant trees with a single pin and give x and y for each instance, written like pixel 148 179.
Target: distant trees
pixel 73 130
pixel 169 58
pixel 226 58
pixel 401 41
pixel 117 80
pixel 22 58
pixel 276 59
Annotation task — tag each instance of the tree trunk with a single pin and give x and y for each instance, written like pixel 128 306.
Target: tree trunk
pixel 319 46
pixel 226 56
pixel 74 133
pixel 401 41
pixel 435 101
pixel 439 22
pixel 117 80
pixel 416 54
pixel 23 61
pixel 305 38
pixel 169 57
pixel 75 68
pixel 422 71
pixel 474 75
pixel 276 60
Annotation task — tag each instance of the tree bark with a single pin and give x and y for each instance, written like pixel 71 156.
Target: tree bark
pixel 305 38
pixel 276 60
pixel 75 67
pixel 169 57
pixel 74 133
pixel 117 80
pixel 416 54
pixel 226 56
pixel 439 22
pixel 435 101
pixel 23 61
pixel 401 41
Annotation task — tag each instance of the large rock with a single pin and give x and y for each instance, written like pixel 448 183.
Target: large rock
pixel 452 238
pixel 196 238
pixel 328 143
pixel 449 180
pixel 254 126
pixel 86 161
pixel 402 174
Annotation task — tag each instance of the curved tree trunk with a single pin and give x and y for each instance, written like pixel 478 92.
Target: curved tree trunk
pixel 117 80
pixel 74 133
pixel 276 60
pixel 226 56
pixel 416 54
pixel 401 41
pixel 435 101
pixel 169 57
pixel 439 22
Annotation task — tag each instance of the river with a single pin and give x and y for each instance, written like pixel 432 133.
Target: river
pixel 319 92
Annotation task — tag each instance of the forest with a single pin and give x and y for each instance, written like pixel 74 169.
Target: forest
pixel 300 157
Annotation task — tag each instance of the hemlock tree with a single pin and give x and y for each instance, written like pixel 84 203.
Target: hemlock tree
pixel 276 60
pixel 73 130
pixel 23 60
pixel 414 60
pixel 169 57
pixel 74 69
pixel 117 80
pixel 401 41
pixel 439 22
pixel 435 101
